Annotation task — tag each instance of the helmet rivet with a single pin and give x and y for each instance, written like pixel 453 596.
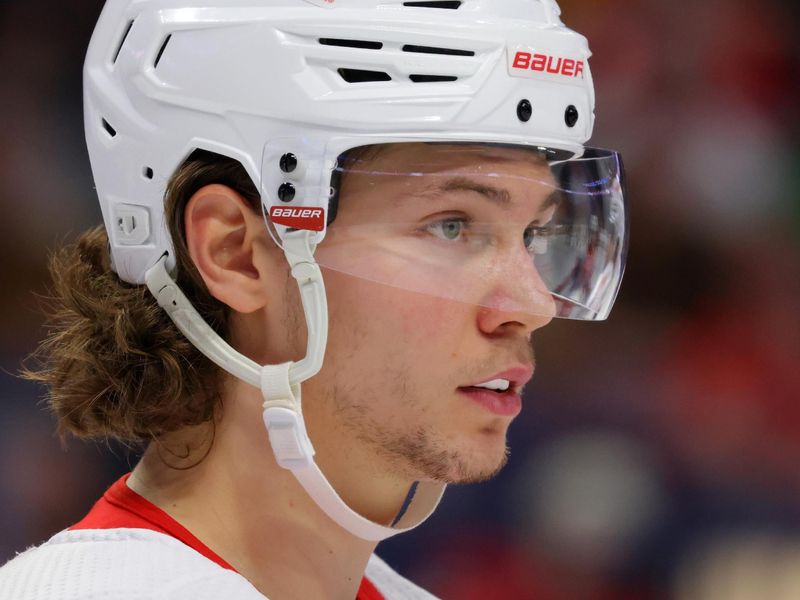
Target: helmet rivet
pixel 524 110
pixel 571 116
pixel 286 192
pixel 288 162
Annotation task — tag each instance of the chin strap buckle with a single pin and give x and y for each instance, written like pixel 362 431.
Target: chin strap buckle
pixel 283 418
pixel 288 437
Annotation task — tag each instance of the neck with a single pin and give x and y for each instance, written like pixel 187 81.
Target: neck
pixel 228 491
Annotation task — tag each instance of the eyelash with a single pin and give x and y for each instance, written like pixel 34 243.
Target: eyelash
pixel 432 227
pixel 465 222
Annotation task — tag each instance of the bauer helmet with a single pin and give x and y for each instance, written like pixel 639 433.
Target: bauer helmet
pixel 324 101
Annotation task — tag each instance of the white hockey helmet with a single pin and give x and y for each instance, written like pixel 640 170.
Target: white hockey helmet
pixel 473 92
pixel 258 81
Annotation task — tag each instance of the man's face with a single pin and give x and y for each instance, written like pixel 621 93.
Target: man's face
pixel 431 291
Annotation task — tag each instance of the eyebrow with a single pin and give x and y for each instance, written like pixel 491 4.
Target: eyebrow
pixel 498 196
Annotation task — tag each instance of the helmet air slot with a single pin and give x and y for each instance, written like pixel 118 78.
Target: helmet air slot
pixel 362 44
pixel 434 4
pixel 161 50
pixel 432 78
pixel 363 75
pixel 109 129
pixel 434 50
pixel 122 41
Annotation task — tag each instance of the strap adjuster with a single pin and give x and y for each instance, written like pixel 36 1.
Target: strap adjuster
pixel 288 437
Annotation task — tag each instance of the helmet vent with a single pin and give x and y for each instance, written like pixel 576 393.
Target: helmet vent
pixel 432 78
pixel 109 129
pixel 351 43
pixel 122 41
pixel 433 50
pixel 434 4
pixel 363 76
pixel 161 50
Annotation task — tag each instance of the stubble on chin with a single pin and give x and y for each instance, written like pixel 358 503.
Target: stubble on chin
pixel 416 453
pixel 421 452
pixel 428 460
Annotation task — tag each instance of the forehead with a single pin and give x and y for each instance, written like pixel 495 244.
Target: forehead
pixel 394 174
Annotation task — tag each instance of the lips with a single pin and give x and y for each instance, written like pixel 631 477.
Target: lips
pixel 502 403
pixel 516 376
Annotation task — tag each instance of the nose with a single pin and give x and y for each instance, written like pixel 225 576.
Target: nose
pixel 517 298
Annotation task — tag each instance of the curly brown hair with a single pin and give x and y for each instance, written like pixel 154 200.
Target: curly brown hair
pixel 114 363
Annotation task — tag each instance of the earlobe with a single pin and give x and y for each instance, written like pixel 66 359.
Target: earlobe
pixel 222 236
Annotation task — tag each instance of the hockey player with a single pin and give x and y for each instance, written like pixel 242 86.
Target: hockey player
pixel 372 203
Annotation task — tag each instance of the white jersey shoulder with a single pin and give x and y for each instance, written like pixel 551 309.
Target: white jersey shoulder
pixel 139 564
pixel 393 585
pixel 117 564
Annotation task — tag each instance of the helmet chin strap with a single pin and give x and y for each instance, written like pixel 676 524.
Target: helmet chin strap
pixel 280 387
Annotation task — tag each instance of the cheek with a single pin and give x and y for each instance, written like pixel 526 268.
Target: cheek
pixel 426 321
pixel 379 322
pixel 413 319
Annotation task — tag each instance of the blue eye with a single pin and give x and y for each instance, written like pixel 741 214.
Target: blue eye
pixel 535 239
pixel 528 236
pixel 448 229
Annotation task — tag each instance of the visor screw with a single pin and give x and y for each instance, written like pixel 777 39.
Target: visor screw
pixel 571 116
pixel 286 192
pixel 288 162
pixel 524 110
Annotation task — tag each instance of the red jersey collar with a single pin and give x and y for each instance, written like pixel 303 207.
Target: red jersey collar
pixel 122 508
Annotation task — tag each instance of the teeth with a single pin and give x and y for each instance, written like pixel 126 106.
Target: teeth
pixel 499 385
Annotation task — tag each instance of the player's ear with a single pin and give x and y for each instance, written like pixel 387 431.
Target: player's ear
pixel 226 240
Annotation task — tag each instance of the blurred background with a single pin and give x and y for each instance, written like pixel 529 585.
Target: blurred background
pixel 658 455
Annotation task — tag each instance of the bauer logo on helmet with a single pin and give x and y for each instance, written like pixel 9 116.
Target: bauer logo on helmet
pixel 311 219
pixel 527 63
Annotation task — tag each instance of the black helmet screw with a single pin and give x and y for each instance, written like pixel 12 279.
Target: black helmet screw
pixel 286 192
pixel 571 116
pixel 288 162
pixel 524 110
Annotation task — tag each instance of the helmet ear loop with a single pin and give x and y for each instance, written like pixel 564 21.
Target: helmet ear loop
pixel 299 251
pixel 189 322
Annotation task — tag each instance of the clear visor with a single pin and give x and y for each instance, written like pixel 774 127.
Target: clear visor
pixel 517 229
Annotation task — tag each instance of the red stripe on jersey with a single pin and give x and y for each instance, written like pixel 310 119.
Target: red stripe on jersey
pixel 367 591
pixel 122 508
